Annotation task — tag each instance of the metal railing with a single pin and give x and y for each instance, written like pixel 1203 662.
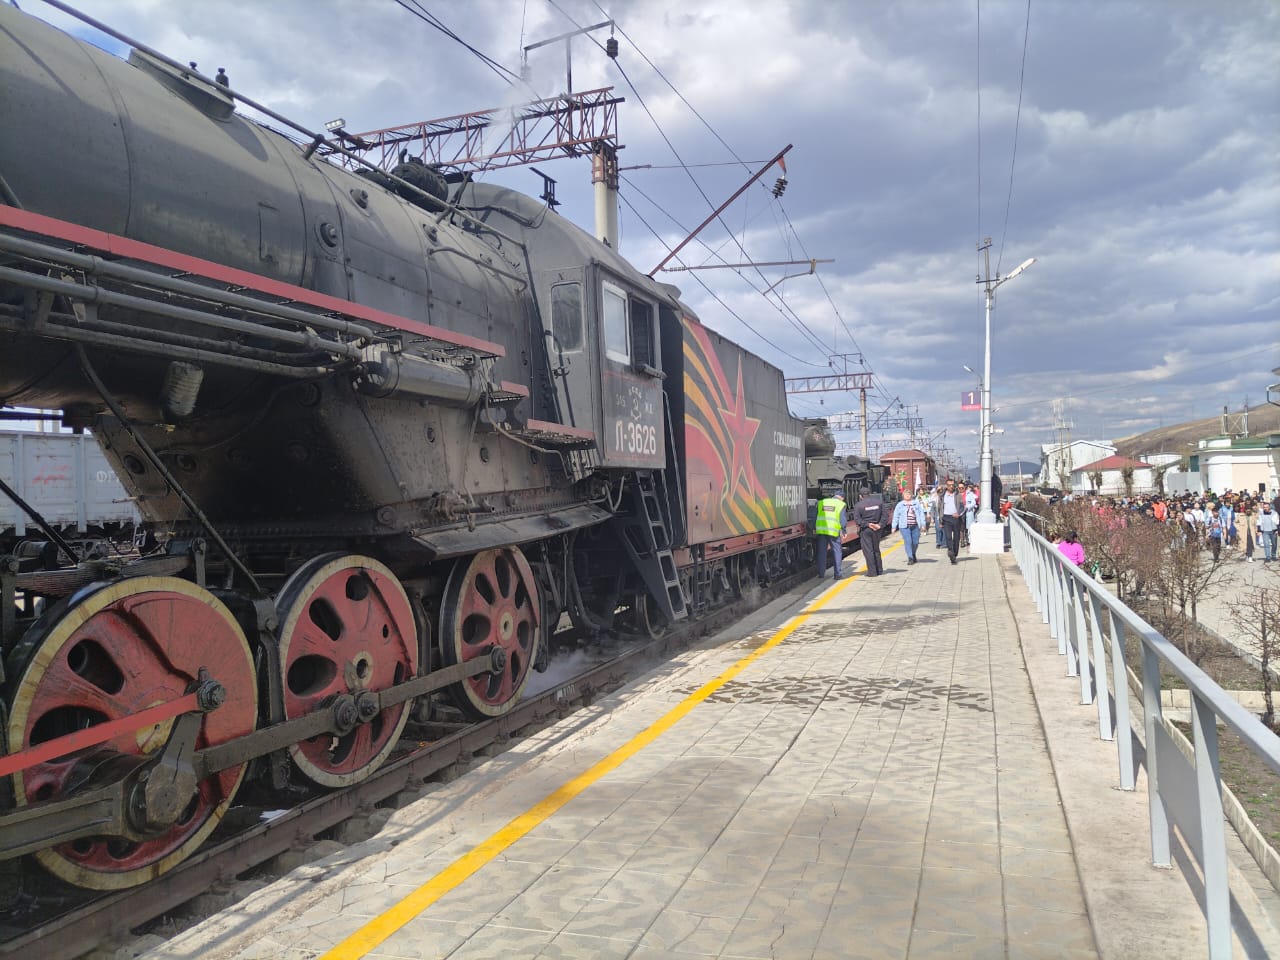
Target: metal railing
pixel 1185 792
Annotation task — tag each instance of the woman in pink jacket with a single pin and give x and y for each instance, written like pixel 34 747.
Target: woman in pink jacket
pixel 1070 548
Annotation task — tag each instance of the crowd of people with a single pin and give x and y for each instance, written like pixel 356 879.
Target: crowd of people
pixel 1246 522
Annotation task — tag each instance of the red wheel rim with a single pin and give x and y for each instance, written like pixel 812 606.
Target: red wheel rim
pixel 491 601
pixel 346 626
pixel 128 646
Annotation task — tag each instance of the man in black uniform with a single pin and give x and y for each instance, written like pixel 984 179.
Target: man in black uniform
pixel 869 515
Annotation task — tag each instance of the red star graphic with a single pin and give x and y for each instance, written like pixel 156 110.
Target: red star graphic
pixel 742 431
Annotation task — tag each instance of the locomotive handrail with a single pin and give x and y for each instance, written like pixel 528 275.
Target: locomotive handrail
pixel 137 250
pixel 98 266
pixel 91 293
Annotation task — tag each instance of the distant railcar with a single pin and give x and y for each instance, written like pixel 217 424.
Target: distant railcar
pixel 69 481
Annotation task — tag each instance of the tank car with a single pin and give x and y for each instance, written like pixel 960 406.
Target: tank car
pixel 383 431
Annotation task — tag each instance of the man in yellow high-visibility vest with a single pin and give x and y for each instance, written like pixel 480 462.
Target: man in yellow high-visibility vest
pixel 829 524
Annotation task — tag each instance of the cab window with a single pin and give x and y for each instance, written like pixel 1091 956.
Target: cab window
pixel 614 311
pixel 566 316
pixel 642 333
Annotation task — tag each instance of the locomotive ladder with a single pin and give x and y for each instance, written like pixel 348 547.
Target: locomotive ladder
pixel 646 535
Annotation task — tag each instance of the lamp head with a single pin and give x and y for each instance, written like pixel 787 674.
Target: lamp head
pixel 1020 267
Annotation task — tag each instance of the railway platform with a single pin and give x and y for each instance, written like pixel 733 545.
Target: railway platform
pixel 874 768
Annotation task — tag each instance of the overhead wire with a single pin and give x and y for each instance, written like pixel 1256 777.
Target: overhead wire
pixel 1017 118
pixel 680 160
pixel 804 331
pixel 415 8
pixel 741 162
pixel 733 313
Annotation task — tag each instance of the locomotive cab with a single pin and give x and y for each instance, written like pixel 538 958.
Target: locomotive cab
pixel 602 373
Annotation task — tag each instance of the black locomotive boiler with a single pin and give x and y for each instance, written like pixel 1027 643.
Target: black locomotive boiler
pixel 384 432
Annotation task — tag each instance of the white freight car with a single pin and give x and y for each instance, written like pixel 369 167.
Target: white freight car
pixel 67 479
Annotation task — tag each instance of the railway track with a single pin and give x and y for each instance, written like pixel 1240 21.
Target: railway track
pixel 52 930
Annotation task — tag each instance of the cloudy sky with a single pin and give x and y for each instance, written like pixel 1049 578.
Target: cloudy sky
pixel 1133 148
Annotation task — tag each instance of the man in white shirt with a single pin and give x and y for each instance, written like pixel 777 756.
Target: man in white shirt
pixel 952 517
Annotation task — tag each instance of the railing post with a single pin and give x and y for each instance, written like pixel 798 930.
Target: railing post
pixel 1080 594
pixel 1124 728
pixel 1153 716
pixel 1105 726
pixel 1042 569
pixel 1070 627
pixel 1213 843
pixel 1058 605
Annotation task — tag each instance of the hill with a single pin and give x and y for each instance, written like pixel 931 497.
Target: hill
pixel 1182 438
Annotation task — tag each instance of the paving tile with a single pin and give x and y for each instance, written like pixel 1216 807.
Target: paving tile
pixel 1028 926
pixel 712 898
pixel 663 858
pixel 1046 894
pixel 874 928
pixel 926 944
pixel 944 883
pixel 773 936
pixel 962 856
pixel 1031 862
pixel 422 937
pixel 967 917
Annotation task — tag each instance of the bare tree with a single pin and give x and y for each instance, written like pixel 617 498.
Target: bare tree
pixel 1158 473
pixel 1095 480
pixel 1126 477
pixel 1188 576
pixel 1257 615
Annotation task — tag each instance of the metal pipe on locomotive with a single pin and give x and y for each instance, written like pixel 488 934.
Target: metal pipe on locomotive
pixel 384 437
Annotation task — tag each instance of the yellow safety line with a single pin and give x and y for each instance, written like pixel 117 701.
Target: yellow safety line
pixel 381 928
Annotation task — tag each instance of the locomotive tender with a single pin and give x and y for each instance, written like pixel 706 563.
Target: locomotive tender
pixel 385 431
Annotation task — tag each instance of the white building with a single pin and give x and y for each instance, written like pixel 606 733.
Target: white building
pixel 1106 477
pixel 1058 460
pixel 1243 464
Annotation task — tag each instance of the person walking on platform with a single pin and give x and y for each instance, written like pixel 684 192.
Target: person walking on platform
pixel 970 510
pixel 952 516
pixel 939 528
pixel 1214 531
pixel 1268 523
pixel 1069 547
pixel 908 517
pixel 869 515
pixel 1248 520
pixel 829 524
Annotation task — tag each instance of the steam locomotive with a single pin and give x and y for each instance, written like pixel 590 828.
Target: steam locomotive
pixel 385 432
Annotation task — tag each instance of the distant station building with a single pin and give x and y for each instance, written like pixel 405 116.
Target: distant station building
pixel 1238 463
pixel 1059 460
pixel 1114 476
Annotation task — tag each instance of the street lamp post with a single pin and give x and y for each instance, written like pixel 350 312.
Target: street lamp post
pixel 986 514
pixel 983 412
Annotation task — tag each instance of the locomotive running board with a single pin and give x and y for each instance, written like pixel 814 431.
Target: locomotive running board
pixel 502 533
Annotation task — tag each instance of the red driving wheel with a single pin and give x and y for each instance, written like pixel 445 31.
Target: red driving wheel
pixel 346 625
pixel 491 601
pixel 115 651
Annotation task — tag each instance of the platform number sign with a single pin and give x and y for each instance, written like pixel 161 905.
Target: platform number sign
pixel 970 400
